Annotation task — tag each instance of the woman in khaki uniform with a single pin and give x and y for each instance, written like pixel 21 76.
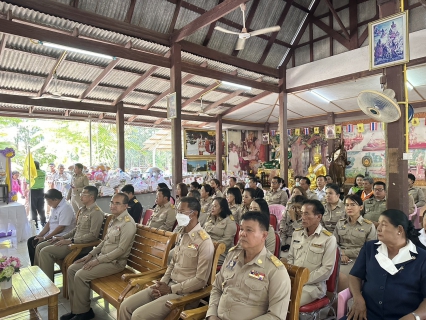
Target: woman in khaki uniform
pixel 291 222
pixel 221 225
pixel 351 233
pixel 234 198
pixel 206 201
pixel 260 205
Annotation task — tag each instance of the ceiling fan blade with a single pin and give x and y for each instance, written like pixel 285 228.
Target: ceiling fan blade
pixel 265 30
pixel 225 30
pixel 240 44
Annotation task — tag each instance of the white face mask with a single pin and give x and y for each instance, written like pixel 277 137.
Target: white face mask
pixel 182 219
pixel 297 184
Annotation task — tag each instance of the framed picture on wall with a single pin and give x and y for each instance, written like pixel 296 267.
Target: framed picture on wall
pixel 265 138
pixel 389 41
pixel 202 143
pixel 204 165
pixel 171 106
pixel 330 131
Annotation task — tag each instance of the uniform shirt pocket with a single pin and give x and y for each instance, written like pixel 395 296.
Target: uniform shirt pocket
pixel 190 257
pixel 315 255
pixel 257 291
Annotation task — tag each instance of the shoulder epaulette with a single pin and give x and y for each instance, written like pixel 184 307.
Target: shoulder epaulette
pixel 298 229
pixel 343 219
pixel 232 248
pixel 135 201
pixel 276 261
pixel 127 219
pixel 97 209
pixel 368 221
pixel 231 217
pixel 172 205
pixel 326 232
pixel 203 234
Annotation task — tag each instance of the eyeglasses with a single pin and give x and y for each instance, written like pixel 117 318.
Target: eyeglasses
pixel 378 190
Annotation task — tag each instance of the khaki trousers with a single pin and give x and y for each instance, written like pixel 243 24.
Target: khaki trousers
pixel 79 283
pixel 47 257
pixel 39 247
pixel 76 202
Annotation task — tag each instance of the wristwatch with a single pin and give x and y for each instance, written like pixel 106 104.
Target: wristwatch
pixel 416 316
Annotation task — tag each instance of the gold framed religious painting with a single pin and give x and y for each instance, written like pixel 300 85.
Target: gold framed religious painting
pixel 389 41
pixel 202 143
pixel 204 165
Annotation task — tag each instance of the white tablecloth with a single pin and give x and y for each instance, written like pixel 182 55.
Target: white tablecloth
pixel 14 217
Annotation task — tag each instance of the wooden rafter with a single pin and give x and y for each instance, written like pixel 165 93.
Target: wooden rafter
pixel 3 44
pixel 99 78
pixel 275 34
pixel 175 16
pixel 210 31
pixel 51 74
pixel 250 17
pixel 333 33
pixel 301 31
pixel 223 100
pixel 205 19
pixel 339 21
pixel 74 3
pixel 245 103
pixel 130 11
pixel 353 24
pixel 198 95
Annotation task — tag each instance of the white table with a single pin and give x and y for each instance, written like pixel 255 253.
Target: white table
pixel 14 217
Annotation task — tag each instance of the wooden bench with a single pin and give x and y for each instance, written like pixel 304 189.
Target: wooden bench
pixel 76 253
pixel 298 276
pixel 148 256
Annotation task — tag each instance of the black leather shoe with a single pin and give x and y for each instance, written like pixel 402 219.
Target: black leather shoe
pixel 67 316
pixel 84 316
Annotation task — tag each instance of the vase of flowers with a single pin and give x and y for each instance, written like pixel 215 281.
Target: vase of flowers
pixel 8 266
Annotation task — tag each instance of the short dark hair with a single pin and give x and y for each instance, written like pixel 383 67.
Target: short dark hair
pixel 194 194
pixel 224 207
pixel 264 208
pixel 207 188
pixel 233 179
pixel 298 199
pixel 79 165
pixel 307 180
pixel 124 196
pixel 254 179
pixel 317 206
pixel 241 185
pixel 216 181
pixel 277 178
pixel 37 165
pixel 236 193
pixel 53 194
pixel 165 192
pixel 162 185
pixel 355 198
pixel 258 216
pixel 183 189
pixel 195 184
pixel 321 176
pixel 398 218
pixel 327 175
pixel 93 191
pixel 128 188
pixel 251 191
pixel 332 186
pixel 380 183
pixel 193 204
pixel 412 177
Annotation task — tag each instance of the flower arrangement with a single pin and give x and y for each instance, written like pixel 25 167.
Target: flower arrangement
pixel 8 266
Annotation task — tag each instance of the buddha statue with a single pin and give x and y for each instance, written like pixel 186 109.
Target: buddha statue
pixel 311 175
pixel 318 168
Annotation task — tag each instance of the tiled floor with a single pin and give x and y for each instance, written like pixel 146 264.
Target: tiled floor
pixel 103 310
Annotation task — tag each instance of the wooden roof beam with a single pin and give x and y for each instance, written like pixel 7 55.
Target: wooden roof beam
pixel 175 16
pixel 3 44
pixel 210 31
pixel 224 99
pixel 130 10
pixel 210 16
pixel 245 103
pixel 339 21
pixel 333 33
pixel 274 34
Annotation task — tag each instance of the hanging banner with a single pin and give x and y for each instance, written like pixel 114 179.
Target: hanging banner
pixel 360 127
pixel 338 129
pixel 316 130
pixel 297 132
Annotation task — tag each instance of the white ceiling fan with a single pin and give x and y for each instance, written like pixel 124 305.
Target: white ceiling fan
pixel 244 35
pixel 55 94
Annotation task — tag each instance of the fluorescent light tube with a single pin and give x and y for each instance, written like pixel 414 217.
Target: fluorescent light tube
pixel 320 96
pixel 90 53
pixel 409 85
pixel 236 85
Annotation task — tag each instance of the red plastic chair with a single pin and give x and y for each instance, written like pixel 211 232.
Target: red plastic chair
pixel 237 235
pixel 313 309
pixel 277 251
pixel 273 222
pixel 148 214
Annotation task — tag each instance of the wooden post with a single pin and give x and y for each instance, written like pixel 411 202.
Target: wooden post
pixel 396 168
pixel 266 130
pixel 331 120
pixel 176 86
pixel 219 146
pixel 282 98
pixel 119 121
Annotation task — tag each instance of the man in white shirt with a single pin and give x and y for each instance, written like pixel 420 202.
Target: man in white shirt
pixel 320 190
pixel 62 220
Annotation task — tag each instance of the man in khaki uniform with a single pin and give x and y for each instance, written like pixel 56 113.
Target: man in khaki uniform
pixel 276 195
pixel 334 207
pixel 78 182
pixel 305 183
pixel 373 207
pixel 416 193
pixel 164 215
pixel 109 257
pixel 188 271
pixel 313 247
pixel 252 282
pixel 89 222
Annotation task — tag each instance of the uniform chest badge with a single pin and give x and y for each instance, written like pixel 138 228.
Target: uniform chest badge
pixel 257 275
pixel 316 245
pixel 193 246
pixel 360 229
pixel 231 264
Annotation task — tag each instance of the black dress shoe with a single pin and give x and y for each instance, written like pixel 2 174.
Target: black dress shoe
pixel 67 316
pixel 84 316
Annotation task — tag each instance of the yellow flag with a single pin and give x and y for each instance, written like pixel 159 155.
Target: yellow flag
pixel 316 129
pixel 338 129
pixel 30 170
pixel 360 127
pixel 297 132
pixel 415 122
